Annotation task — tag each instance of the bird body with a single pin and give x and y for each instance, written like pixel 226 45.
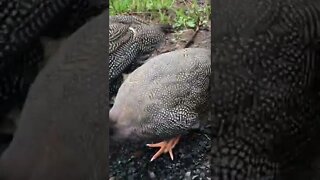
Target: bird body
pixel 162 98
pixel 131 40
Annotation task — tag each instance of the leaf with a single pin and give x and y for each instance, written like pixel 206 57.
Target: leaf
pixel 191 23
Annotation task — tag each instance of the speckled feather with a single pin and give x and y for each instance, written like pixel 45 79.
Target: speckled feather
pixel 162 98
pixel 118 35
pixel 129 20
pixel 130 40
pixel 22 22
pixel 264 93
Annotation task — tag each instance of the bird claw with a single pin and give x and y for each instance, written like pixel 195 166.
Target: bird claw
pixel 165 147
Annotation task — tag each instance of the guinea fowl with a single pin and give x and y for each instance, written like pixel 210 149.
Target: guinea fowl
pixel 162 98
pixel 131 41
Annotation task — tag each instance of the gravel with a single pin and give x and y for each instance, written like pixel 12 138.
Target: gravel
pixel 191 159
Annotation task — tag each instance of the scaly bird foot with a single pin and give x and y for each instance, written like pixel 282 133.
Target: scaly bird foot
pixel 165 147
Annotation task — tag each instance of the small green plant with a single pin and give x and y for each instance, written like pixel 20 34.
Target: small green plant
pixel 139 6
pixel 187 15
pixel 192 16
pixel 119 7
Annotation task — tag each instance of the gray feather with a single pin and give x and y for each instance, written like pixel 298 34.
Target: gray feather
pixel 162 98
pixel 264 89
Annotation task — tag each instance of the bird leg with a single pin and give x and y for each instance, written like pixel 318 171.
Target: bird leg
pixel 165 147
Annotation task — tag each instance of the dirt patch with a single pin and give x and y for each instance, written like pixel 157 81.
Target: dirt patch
pixel 179 40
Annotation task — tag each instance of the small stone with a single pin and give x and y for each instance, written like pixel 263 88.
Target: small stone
pixel 187 176
pixel 152 175
pixel 194 177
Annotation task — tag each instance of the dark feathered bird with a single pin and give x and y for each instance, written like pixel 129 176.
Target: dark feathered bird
pixel 265 88
pixel 131 40
pixel 162 99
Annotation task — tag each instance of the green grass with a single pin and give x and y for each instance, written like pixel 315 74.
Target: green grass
pixel 180 15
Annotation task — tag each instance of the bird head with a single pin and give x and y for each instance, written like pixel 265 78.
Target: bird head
pixel 120 123
pixel 150 124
